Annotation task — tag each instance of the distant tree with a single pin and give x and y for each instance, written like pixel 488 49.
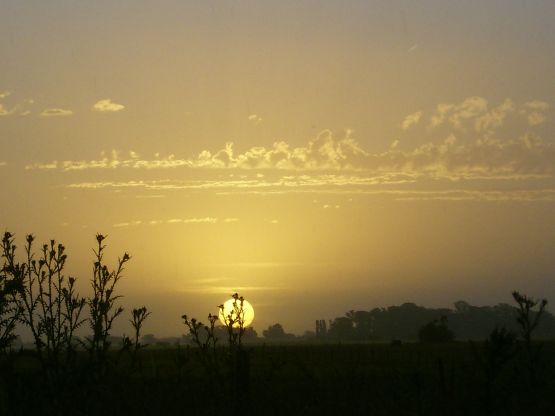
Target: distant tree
pixel 276 332
pixel 461 306
pixel 321 328
pixel 308 335
pixel 341 328
pixel 436 332
pixel 148 339
pixel 250 334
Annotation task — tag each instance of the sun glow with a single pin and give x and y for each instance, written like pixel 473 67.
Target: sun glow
pixel 233 312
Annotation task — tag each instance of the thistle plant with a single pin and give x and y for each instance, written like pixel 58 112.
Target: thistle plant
pixel 103 303
pixel 492 356
pixel 47 303
pixel 11 277
pixel 528 320
pixel 50 305
pixel 138 317
pixel 234 321
pixel 205 339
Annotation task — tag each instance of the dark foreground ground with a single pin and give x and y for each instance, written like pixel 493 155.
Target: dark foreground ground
pixel 369 379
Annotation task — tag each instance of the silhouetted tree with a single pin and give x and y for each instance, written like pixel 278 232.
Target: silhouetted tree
pixel 321 328
pixel 276 333
pixel 436 332
pixel 341 328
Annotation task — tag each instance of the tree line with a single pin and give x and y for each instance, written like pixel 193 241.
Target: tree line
pixel 405 322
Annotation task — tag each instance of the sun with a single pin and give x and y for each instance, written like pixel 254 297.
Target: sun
pixel 247 312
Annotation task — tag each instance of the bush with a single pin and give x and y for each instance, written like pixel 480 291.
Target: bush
pixel 436 332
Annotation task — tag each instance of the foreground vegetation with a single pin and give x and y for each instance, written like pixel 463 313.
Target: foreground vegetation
pixel 508 373
pixel 375 379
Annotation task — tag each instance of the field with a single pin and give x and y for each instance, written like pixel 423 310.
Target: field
pixel 375 379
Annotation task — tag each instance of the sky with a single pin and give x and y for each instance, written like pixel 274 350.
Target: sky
pixel 314 156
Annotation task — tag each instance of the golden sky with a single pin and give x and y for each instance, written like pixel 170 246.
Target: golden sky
pixel 316 156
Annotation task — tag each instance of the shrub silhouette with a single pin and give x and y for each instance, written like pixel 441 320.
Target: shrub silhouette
pixel 49 306
pixel 493 355
pixel 528 320
pixel 234 321
pixel 103 309
pixel 436 332
pixel 11 277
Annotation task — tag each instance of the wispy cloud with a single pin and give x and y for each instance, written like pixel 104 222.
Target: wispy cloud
pixel 3 110
pixel 211 288
pixel 471 150
pixel 484 157
pixel 56 112
pixel 535 118
pixel 255 118
pixel 493 119
pixel 536 195
pixel 324 152
pixel 199 220
pixel 411 120
pixel 456 114
pixel 537 105
pixel 21 108
pixel 475 112
pixel 535 112
pixel 289 181
pixel 107 106
pixel 43 166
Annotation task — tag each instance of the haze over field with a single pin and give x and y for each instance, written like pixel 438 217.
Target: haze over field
pixel 314 156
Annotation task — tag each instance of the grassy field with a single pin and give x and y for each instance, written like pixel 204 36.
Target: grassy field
pixel 374 379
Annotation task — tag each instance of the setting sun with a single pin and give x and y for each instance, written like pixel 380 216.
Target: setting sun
pixel 232 307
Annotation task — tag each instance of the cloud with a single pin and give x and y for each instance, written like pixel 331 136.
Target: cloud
pixel 324 152
pixel 537 105
pixel 206 220
pixel 107 106
pixel 283 182
pixel 456 114
pixel 4 111
pixel 199 220
pixel 535 118
pixel 42 166
pixel 411 120
pixel 20 109
pixel 3 164
pixel 475 111
pixel 493 119
pixel 127 224
pixel 485 157
pixel 256 119
pixel 534 111
pixel 472 150
pixel 56 112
